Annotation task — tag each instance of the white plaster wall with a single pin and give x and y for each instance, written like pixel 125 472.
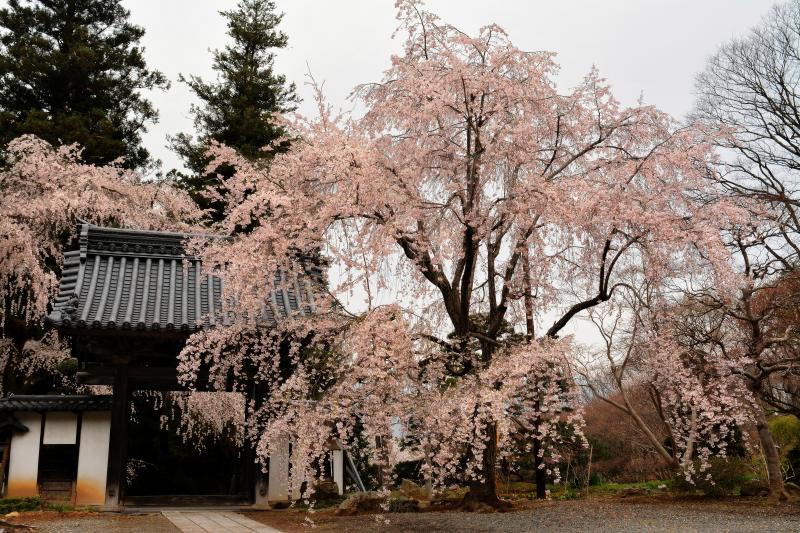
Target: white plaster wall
pixel 23 468
pixel 60 428
pixel 90 488
pixel 337 466
pixel 278 488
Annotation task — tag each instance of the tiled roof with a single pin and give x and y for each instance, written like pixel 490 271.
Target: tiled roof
pixel 143 280
pixel 10 422
pixel 16 403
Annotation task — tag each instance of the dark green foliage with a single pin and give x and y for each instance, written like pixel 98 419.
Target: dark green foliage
pixel 601 450
pixel 72 71
pixel 727 476
pixel 357 449
pixel 786 432
pixel 410 470
pixel 595 479
pixel 322 366
pixel 237 108
pixel 68 367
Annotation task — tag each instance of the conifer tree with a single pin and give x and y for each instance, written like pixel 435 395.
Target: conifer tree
pixel 73 71
pixel 237 109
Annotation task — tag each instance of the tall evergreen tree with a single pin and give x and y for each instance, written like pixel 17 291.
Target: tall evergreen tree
pixel 237 108
pixel 73 71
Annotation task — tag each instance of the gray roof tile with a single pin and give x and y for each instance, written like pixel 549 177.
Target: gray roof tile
pixel 18 402
pixel 143 280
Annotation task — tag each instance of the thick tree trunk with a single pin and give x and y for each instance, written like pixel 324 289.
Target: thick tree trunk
pixel 526 273
pixel 484 491
pixel 540 475
pixel 776 489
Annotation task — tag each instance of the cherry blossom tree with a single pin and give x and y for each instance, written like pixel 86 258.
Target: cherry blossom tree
pixel 198 417
pixel 735 342
pixel 643 349
pixel 44 191
pixel 470 194
pixel 615 370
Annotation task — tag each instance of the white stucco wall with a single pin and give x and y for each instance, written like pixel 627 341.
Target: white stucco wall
pixel 23 468
pixel 60 428
pixel 337 466
pixel 90 488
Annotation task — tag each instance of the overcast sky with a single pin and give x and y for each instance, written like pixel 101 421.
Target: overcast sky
pixel 643 47
pixel 649 48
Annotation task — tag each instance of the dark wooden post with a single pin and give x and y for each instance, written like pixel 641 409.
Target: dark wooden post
pixel 256 480
pixel 117 446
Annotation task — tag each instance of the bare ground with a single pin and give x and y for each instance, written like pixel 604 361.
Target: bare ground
pixel 565 516
pixel 609 515
pixel 53 522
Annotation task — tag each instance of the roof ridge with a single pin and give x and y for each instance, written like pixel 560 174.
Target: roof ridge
pixel 150 232
pixel 144 280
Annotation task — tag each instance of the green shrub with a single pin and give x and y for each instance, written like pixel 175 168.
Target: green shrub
pixel 68 367
pixel 726 477
pixel 9 505
pixel 410 470
pixel 786 432
pixel 596 479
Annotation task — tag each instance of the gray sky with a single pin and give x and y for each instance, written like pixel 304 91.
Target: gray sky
pixel 643 47
pixel 649 48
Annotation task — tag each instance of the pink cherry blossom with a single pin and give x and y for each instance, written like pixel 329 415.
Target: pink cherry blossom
pixel 467 163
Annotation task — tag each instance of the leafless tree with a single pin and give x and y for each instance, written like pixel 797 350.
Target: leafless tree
pixel 615 372
pixel 751 87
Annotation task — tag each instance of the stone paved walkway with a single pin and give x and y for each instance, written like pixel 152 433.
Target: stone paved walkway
pixel 215 522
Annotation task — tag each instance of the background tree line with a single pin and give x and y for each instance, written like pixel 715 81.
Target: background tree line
pixel 74 72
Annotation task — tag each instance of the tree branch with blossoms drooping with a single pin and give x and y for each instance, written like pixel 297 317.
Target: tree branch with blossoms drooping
pixel 466 164
pixel 645 347
pixel 45 191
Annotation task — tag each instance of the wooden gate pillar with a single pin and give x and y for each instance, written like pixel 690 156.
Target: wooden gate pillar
pixel 117 448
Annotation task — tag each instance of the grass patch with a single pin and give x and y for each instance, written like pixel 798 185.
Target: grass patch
pixel 613 488
pixel 523 490
pixel 36 503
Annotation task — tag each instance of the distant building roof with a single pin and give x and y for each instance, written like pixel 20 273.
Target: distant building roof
pixel 18 403
pixel 122 279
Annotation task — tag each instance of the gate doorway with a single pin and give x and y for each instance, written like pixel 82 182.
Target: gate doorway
pixel 164 468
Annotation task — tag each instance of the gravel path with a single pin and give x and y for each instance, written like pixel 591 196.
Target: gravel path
pixel 560 517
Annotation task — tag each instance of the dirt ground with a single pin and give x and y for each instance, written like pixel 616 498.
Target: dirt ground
pixel 565 516
pixel 53 522
pixel 612 515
